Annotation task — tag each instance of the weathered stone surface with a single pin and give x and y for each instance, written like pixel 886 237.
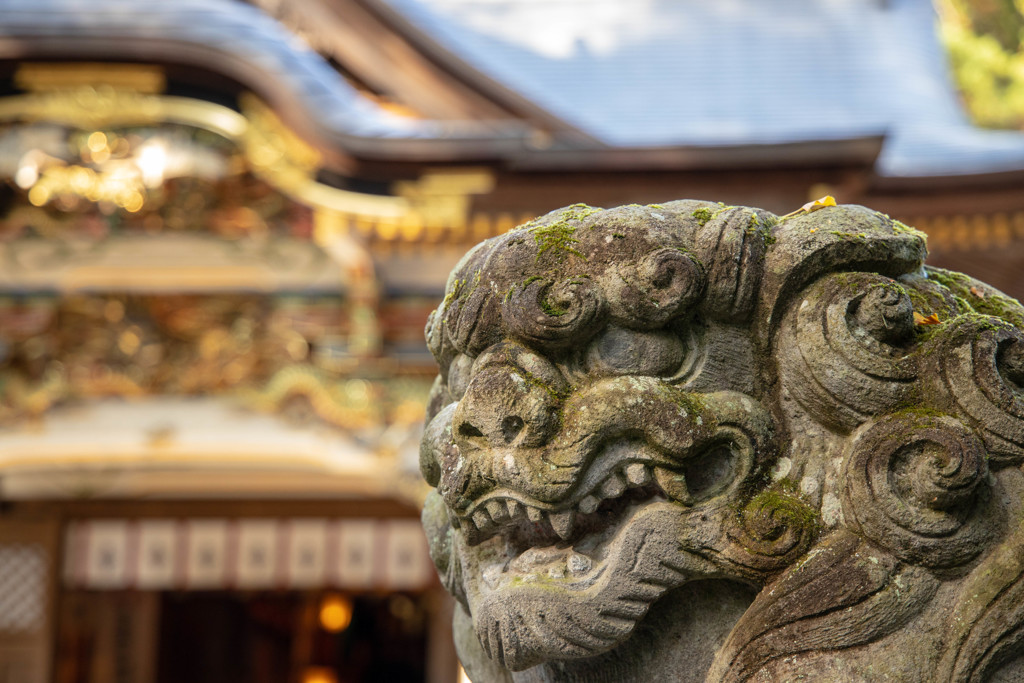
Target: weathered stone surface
pixel 691 442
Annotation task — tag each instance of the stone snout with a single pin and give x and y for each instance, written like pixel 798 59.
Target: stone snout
pixel 501 426
pixel 517 446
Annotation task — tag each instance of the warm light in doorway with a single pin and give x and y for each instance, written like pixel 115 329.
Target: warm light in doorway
pixel 319 674
pixel 335 613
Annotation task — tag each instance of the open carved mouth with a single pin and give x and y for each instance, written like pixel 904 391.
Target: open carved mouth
pixel 535 552
pixel 617 560
pixel 615 482
pixel 516 539
pixel 535 573
pixel 513 515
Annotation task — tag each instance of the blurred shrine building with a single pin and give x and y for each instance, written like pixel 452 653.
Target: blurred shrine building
pixel 223 226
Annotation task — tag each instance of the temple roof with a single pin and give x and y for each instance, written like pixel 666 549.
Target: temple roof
pixel 242 42
pixel 703 84
pixel 662 73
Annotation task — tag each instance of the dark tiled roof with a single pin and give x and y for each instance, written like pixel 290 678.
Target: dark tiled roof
pixel 656 74
pixel 258 48
pixel 660 73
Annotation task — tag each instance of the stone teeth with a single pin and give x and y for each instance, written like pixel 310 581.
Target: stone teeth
pixel 578 564
pixel 513 507
pixel 613 486
pixel 562 523
pixel 534 514
pixel 673 484
pixel 499 513
pixel 637 474
pixel 481 519
pixel 589 504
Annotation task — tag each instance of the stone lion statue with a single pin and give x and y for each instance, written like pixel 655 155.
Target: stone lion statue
pixel 698 442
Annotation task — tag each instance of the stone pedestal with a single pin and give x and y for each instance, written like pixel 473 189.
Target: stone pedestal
pixel 697 442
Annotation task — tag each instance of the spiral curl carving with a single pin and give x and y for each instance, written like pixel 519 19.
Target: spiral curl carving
pixel 554 315
pixel 843 344
pixel 977 371
pixel 771 531
pixel 773 528
pixel 661 286
pixel 916 486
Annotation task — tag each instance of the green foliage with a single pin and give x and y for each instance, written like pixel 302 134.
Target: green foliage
pixel 985 40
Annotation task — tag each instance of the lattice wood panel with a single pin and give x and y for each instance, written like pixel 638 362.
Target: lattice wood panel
pixel 23 568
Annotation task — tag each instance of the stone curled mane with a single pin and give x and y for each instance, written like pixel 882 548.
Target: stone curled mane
pixel 890 514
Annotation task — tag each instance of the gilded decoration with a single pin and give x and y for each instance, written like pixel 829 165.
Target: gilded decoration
pixel 97 108
pixel 281 353
pixel 158 245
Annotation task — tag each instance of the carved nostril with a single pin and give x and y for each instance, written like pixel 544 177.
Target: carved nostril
pixel 511 426
pixel 467 429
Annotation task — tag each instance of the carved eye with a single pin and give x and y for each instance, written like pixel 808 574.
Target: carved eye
pixel 711 472
pixel 620 351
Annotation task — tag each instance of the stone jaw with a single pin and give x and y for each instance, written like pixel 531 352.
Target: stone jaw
pixel 636 398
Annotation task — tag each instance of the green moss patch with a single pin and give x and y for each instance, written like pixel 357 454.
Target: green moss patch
pixel 781 505
pixel 558 237
pixel 978 296
pixel 703 215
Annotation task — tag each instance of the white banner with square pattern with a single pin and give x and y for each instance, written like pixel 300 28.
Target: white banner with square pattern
pixel 247 554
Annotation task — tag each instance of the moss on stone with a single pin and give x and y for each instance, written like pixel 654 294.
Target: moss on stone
pixel 1001 307
pixel 923 333
pixel 852 236
pixel 782 503
pixel 535 381
pixel 761 229
pixel 453 293
pixel 921 301
pixel 901 228
pixel 552 309
pixel 557 237
pixel 692 403
pixel 703 215
pixel 948 279
pixel 978 297
pixel 922 411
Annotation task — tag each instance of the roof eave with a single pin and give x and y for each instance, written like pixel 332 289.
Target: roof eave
pixel 854 151
pixel 432 142
pixel 1009 178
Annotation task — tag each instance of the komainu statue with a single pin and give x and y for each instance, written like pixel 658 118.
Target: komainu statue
pixel 698 442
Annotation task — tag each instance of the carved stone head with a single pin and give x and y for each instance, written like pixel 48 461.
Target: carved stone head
pixel 793 414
